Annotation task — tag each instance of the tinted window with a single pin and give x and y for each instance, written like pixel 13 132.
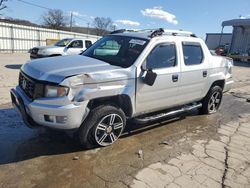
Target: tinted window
pixel 117 50
pixel 193 54
pixel 162 56
pixel 63 43
pixel 76 44
pixel 88 43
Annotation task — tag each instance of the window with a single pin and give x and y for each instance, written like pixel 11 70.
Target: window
pixel 193 54
pixel 110 47
pixel 117 50
pixel 76 44
pixel 88 43
pixel 162 56
pixel 63 43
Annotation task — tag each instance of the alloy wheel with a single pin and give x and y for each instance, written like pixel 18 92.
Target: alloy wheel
pixel 109 129
pixel 214 102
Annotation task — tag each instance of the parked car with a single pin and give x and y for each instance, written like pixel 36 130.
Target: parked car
pixel 222 49
pixel 69 46
pixel 142 76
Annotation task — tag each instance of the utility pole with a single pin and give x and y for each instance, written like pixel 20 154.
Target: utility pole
pixel 88 29
pixel 71 20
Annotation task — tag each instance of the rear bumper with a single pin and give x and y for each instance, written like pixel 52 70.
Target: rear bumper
pixel 228 84
pixel 35 114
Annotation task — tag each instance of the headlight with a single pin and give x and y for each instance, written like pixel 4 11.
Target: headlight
pixel 56 91
pixel 40 52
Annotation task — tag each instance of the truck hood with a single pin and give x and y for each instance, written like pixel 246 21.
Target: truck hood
pixel 48 47
pixel 56 69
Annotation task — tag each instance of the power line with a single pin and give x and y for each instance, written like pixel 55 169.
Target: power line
pixel 80 18
pixel 33 4
pixel 43 7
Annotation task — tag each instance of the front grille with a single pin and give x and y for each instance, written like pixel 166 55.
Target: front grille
pixel 27 85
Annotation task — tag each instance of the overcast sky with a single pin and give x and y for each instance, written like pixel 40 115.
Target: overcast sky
pixel 198 16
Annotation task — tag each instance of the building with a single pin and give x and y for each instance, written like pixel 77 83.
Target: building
pixel 241 35
pixel 239 40
pixel 213 40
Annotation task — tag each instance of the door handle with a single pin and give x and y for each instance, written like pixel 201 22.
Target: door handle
pixel 204 74
pixel 175 77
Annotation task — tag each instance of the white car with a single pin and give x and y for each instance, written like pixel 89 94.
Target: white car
pixel 68 46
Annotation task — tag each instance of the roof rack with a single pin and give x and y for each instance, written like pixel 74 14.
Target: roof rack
pixel 158 32
pixel 162 31
pixel 123 31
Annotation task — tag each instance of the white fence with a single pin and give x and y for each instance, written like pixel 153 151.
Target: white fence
pixel 19 38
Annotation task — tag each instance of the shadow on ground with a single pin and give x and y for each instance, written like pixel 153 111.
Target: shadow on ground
pixel 13 66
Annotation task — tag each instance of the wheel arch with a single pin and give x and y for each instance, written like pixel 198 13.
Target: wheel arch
pixel 220 83
pixel 123 101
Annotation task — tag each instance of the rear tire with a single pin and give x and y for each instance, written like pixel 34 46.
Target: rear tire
pixel 103 126
pixel 212 101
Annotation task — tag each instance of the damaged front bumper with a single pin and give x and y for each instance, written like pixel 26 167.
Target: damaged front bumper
pixel 43 113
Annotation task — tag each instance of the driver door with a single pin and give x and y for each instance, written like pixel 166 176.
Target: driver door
pixel 164 61
pixel 75 47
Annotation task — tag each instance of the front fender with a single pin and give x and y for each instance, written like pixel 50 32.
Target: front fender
pixel 89 92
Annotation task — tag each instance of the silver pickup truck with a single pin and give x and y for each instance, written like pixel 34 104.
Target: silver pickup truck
pixel 68 46
pixel 143 76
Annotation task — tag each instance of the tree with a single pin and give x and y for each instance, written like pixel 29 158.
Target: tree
pixel 2 4
pixel 54 19
pixel 102 25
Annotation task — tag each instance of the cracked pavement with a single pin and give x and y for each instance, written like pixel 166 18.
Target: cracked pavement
pixel 196 151
pixel 211 163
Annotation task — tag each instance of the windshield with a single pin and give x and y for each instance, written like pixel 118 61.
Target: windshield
pixel 63 43
pixel 117 50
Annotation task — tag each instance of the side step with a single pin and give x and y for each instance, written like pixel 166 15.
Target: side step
pixel 148 119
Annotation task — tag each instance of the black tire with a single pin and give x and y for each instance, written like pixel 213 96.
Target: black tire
pixel 93 126
pixel 207 106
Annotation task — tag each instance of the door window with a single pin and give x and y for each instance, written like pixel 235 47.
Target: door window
pixel 162 56
pixel 88 43
pixel 76 44
pixel 193 54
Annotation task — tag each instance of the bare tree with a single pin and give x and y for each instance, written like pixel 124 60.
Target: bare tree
pixel 102 25
pixel 54 19
pixel 2 4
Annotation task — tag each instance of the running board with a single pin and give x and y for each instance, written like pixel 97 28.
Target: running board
pixel 155 117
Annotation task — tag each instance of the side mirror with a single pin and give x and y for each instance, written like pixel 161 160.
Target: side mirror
pixel 150 77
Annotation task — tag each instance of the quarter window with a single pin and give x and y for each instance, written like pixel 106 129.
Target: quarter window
pixel 193 54
pixel 162 56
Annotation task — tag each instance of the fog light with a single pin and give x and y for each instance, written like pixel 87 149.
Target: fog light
pixel 61 119
pixel 49 118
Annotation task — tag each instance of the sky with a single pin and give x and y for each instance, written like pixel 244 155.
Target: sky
pixel 198 16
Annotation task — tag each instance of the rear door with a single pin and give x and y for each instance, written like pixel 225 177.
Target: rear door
pixel 164 61
pixel 194 72
pixel 87 43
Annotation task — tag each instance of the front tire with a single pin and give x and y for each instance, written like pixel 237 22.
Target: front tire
pixel 103 126
pixel 212 101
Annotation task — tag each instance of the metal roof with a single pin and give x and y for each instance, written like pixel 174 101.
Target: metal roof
pixel 236 22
